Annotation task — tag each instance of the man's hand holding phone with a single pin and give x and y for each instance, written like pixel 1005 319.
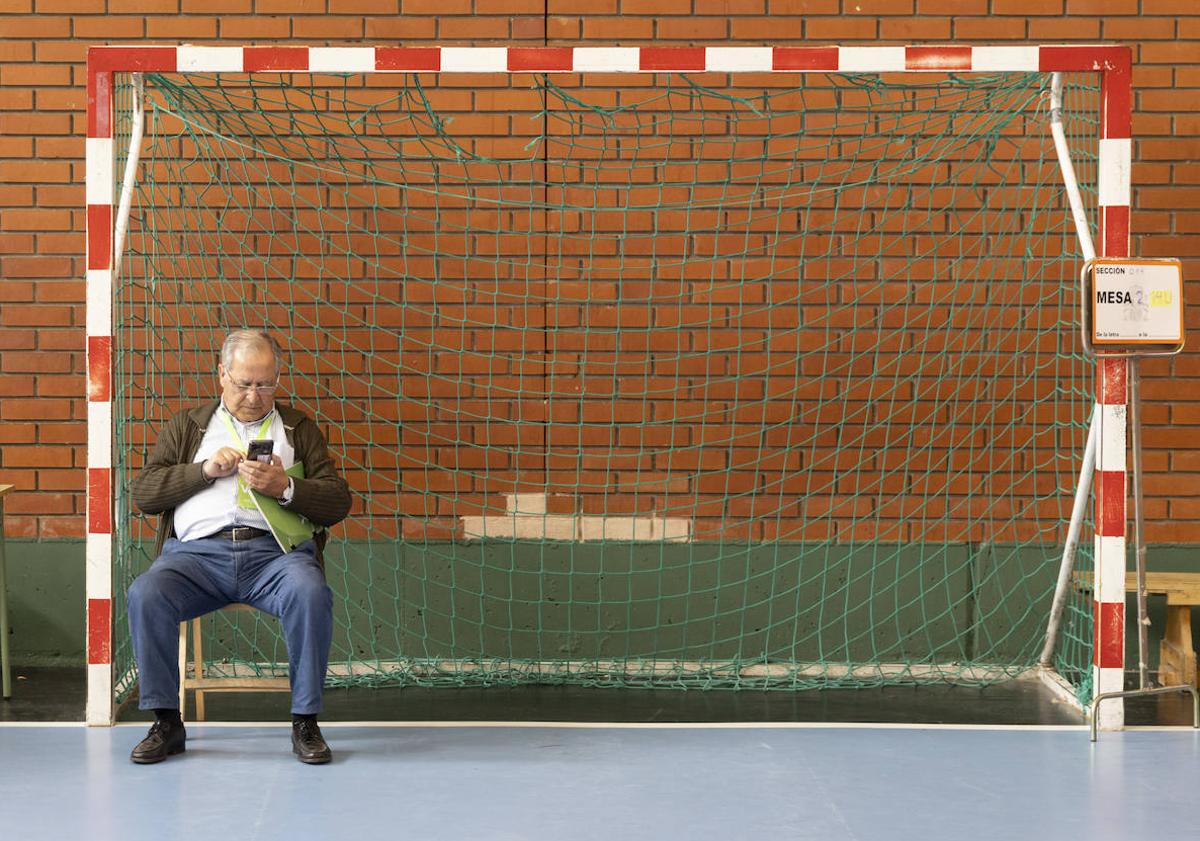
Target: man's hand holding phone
pixel 222 463
pixel 263 471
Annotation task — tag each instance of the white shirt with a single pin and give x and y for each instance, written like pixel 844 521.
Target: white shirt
pixel 216 508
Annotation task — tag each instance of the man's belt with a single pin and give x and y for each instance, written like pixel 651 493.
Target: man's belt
pixel 240 533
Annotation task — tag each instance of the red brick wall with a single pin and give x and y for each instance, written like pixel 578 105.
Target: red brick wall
pixel 42 49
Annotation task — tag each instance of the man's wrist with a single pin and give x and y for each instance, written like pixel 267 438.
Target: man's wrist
pixel 288 493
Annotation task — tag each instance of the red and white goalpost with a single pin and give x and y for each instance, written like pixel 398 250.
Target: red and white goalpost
pixel 1110 63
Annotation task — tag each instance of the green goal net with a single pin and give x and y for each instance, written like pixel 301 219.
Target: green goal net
pixel 659 380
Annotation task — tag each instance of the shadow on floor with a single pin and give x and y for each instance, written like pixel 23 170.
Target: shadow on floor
pixel 57 694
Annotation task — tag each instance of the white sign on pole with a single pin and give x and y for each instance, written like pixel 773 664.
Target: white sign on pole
pixel 1137 302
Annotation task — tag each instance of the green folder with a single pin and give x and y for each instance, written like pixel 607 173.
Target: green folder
pixel 289 528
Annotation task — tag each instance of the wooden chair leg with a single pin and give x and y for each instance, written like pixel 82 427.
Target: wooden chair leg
pixel 1176 657
pixel 183 626
pixel 198 660
pixel 201 684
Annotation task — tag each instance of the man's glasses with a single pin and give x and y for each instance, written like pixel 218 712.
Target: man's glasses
pixel 246 388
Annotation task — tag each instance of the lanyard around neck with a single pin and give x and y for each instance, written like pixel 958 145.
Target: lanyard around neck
pixel 262 430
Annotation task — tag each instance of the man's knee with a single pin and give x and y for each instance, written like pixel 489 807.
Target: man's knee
pixel 145 590
pixel 157 589
pixel 308 593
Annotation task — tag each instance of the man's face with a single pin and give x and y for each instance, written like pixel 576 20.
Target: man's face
pixel 248 384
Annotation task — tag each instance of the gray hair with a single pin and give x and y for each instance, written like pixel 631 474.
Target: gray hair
pixel 240 340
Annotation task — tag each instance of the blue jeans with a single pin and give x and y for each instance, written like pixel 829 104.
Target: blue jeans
pixel 200 576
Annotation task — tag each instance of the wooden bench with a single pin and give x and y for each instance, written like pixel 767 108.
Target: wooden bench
pixel 1176 656
pixel 200 684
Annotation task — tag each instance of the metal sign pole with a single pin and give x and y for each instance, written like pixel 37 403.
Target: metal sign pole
pixel 1135 423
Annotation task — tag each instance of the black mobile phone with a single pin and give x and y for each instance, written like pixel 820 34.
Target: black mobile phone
pixel 260 450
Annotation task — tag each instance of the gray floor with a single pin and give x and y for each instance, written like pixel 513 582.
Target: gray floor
pixel 924 763
pixel 542 782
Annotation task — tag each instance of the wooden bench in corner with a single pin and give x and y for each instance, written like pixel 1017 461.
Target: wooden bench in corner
pixel 1176 656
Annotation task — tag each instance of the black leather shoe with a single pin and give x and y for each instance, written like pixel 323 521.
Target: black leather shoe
pixel 166 738
pixel 308 744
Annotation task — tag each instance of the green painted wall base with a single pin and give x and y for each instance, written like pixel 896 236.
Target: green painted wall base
pixel 46 593
pixel 46 602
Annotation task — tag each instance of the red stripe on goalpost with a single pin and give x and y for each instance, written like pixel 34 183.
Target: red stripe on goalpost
pixel 99 363
pixel 99 102
pixel 408 58
pixel 805 58
pixel 937 58
pixel 1109 646
pixel 672 58
pixel 1114 222
pixel 99 236
pixel 538 59
pixel 133 59
pixel 99 504
pixel 1114 64
pixel 275 59
pixel 102 62
pixel 1110 503
pixel 1112 385
pixel 99 637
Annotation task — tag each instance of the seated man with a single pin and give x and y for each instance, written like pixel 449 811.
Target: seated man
pixel 235 529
